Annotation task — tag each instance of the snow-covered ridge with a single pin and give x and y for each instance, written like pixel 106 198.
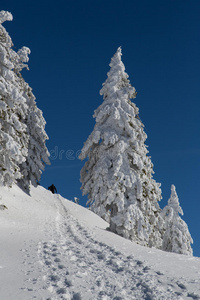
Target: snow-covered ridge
pixel 52 248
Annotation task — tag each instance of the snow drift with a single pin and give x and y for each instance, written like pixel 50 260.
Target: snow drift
pixel 52 248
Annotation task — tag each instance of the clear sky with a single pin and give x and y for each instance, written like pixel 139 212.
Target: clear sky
pixel 72 42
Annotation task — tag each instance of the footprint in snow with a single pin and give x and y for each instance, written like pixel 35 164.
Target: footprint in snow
pixel 68 283
pixel 116 253
pixel 47 262
pixel 159 273
pixel 77 296
pixel 181 285
pixel 54 278
pixel 57 259
pixel 77 240
pixel 146 269
pixel 139 263
pixel 45 246
pixel 130 257
pixel 193 295
pixel 101 256
pixel 93 250
pixel 61 266
pixel 61 291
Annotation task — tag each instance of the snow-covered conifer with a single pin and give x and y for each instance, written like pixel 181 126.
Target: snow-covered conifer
pixel 177 237
pixel 23 152
pixel 37 151
pixel 117 175
pixel 13 111
pixel 38 154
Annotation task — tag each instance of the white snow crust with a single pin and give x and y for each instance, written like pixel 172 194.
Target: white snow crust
pixel 52 248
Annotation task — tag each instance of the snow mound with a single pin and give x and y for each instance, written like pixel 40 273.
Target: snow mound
pixel 52 248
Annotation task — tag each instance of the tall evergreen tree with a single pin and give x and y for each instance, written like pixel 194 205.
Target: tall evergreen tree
pixel 37 151
pixel 13 111
pixel 23 151
pixel 117 175
pixel 38 154
pixel 177 237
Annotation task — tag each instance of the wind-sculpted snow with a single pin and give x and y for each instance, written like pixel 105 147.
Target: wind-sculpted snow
pixel 55 249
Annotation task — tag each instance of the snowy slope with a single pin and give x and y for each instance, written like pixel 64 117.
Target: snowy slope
pixel 51 248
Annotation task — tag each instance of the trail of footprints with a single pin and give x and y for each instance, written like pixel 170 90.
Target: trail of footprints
pixel 76 266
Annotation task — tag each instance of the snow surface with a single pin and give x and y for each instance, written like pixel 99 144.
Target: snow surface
pixel 52 248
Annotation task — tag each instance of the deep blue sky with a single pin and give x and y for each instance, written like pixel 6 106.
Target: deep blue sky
pixel 72 42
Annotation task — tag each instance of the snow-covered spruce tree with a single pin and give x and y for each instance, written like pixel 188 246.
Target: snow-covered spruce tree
pixel 117 175
pixel 177 237
pixel 13 111
pixel 23 152
pixel 38 154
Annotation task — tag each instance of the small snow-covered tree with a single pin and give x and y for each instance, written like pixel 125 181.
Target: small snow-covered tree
pixel 13 111
pixel 117 175
pixel 177 237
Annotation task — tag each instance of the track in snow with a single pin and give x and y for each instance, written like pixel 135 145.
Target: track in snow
pixel 75 265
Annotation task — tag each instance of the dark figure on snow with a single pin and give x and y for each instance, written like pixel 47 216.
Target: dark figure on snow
pixel 52 188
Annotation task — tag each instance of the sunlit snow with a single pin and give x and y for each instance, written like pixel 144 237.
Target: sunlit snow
pixel 52 248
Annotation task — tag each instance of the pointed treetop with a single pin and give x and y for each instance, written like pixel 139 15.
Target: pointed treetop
pixel 117 85
pixel 119 52
pixel 174 201
pixel 116 59
pixel 5 16
pixel 119 49
pixel 173 190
